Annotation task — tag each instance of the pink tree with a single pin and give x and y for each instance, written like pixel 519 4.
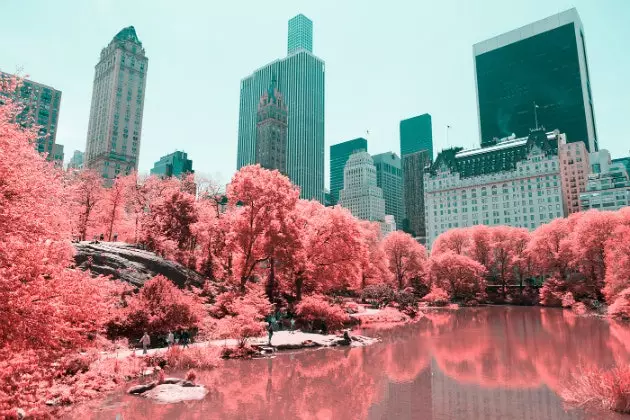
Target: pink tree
pixel 617 263
pixel 480 248
pixel 550 250
pixel 460 276
pixel 507 245
pixel 114 203
pixel 405 258
pixel 374 268
pixel 454 240
pixel 87 193
pixel 260 200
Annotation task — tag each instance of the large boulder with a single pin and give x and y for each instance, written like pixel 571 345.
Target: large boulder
pixel 174 393
pixel 130 264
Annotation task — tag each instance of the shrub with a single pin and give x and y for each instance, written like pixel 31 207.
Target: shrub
pixel 191 376
pixel 351 307
pixel 609 389
pixel 406 301
pixel 248 323
pixel 382 293
pixel 240 352
pixel 620 308
pixel 567 300
pixel 316 308
pixel 436 297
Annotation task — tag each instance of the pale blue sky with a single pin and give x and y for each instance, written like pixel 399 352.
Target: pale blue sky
pixel 385 61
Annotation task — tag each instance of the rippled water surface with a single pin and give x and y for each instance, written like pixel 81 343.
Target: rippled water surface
pixel 473 363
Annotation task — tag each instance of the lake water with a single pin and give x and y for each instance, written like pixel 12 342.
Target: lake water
pixel 473 363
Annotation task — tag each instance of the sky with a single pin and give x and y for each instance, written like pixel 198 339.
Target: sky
pixel 385 61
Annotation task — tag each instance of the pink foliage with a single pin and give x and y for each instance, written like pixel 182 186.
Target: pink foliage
pixel 159 307
pixel 617 262
pixel 608 389
pixel 620 308
pixel 317 308
pixel 458 275
pixel 405 257
pixel 437 297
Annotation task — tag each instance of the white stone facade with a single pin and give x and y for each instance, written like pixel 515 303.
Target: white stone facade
pixel 360 193
pixel 527 196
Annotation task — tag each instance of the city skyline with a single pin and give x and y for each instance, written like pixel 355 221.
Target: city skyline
pixel 406 95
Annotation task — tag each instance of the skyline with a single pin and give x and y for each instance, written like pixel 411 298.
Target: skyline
pixel 368 64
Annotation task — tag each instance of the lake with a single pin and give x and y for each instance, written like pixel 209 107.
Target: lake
pixel 471 363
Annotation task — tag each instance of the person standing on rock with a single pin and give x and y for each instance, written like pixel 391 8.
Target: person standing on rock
pixel 145 341
pixel 170 339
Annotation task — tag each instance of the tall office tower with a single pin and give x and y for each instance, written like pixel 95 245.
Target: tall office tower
pixel 174 164
pixel 516 183
pixel 536 75
pixel 574 170
pixel 361 195
pixel 300 34
pixel 339 155
pixel 416 134
pixel 271 129
pixel 76 161
pixel 115 128
pixel 300 78
pixel 389 178
pixel 414 165
pixel 57 155
pixel 41 107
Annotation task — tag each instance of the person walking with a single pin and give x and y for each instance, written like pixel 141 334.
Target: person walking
pixel 185 338
pixel 170 339
pixel 145 341
pixel 270 331
pixel 292 325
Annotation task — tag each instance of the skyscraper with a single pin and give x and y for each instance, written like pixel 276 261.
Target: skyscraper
pixel 537 74
pixel 300 34
pixel 389 179
pixel 76 161
pixel 300 78
pixel 174 164
pixel 115 127
pixel 414 165
pixel 416 134
pixel 361 195
pixel 41 107
pixel 271 126
pixel 339 155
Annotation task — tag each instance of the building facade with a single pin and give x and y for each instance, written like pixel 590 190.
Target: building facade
pixel 536 74
pixel 271 130
pixel 175 164
pixel 416 134
pixel 339 155
pixel 41 107
pixel 115 127
pixel 574 170
pixel 516 183
pixel 57 155
pixel 76 161
pixel 414 166
pixel 389 179
pixel 300 78
pixel 360 194
pixel 607 189
pixel 625 161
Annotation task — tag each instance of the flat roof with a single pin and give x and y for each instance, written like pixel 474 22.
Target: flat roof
pixel 527 31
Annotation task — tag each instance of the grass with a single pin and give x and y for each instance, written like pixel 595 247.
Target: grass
pixel 609 389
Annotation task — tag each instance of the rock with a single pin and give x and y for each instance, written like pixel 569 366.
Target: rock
pixel 187 383
pixel 172 381
pixel 169 394
pixel 21 413
pixel 141 388
pixel 127 263
pixel 52 402
pixel 148 372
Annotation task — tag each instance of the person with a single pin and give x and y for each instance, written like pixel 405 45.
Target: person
pixel 178 336
pixel 324 328
pixel 102 237
pixel 292 325
pixel 185 338
pixel 145 341
pixel 170 339
pixel 115 237
pixel 270 331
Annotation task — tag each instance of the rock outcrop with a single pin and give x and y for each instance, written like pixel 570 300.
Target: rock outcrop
pixel 130 264
pixel 171 390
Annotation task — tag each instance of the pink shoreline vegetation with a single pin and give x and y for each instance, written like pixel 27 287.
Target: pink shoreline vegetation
pixel 609 389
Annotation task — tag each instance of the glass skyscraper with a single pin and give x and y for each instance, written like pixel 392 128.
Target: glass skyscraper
pixel 175 164
pixel 300 34
pixel 537 74
pixel 300 78
pixel 416 134
pixel 389 179
pixel 339 155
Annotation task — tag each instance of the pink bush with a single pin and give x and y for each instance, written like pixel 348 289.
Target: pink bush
pixel 567 300
pixel 620 308
pixel 317 308
pixel 437 297
pixel 609 389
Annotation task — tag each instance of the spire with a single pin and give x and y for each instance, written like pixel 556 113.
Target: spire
pixel 271 92
pixel 128 34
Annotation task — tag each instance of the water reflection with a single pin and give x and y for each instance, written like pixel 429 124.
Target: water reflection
pixel 474 363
